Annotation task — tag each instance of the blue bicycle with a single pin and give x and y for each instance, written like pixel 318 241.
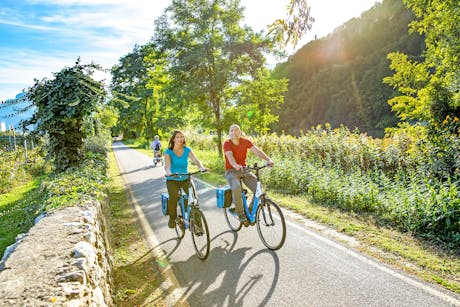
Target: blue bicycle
pixel 189 216
pixel 265 213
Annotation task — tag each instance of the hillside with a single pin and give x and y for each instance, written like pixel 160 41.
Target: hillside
pixel 338 79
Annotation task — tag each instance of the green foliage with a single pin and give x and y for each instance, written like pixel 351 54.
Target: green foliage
pixel 297 23
pixel 338 79
pixel 18 209
pixel 63 104
pixel 15 170
pixel 386 177
pixel 430 88
pixel 131 96
pixel 74 186
pixel 208 54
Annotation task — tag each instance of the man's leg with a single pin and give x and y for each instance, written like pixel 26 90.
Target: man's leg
pixel 250 180
pixel 233 180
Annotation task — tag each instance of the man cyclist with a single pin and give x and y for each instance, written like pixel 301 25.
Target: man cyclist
pixel 235 149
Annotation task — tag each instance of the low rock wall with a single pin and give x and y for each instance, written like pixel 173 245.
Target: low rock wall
pixel 62 261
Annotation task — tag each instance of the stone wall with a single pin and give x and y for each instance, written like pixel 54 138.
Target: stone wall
pixel 62 261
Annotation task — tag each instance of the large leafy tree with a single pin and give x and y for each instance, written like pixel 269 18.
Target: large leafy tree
pixel 430 87
pixel 208 54
pixel 130 94
pixel 63 104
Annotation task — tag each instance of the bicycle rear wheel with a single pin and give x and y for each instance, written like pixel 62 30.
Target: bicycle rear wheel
pixel 271 226
pixel 232 219
pixel 200 233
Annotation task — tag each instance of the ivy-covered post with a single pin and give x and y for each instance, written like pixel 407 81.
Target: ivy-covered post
pixel 63 104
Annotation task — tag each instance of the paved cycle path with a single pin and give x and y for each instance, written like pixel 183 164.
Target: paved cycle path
pixel 309 270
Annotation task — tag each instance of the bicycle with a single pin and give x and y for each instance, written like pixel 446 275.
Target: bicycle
pixel 189 216
pixel 157 158
pixel 272 232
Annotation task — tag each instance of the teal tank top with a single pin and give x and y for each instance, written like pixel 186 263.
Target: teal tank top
pixel 178 164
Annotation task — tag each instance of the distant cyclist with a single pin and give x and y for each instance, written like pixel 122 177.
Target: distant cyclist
pixel 235 149
pixel 156 145
pixel 176 161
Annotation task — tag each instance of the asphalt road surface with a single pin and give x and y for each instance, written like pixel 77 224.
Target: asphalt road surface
pixel 309 270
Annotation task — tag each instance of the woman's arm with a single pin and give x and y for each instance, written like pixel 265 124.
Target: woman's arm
pixel 167 165
pixel 195 160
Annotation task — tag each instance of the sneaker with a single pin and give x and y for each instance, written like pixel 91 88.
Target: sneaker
pixel 244 220
pixel 172 223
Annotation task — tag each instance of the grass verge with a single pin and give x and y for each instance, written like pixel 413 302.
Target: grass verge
pixel 401 250
pixel 136 277
pixel 18 210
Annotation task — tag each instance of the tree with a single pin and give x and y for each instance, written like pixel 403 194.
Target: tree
pixel 296 24
pixel 63 104
pixel 130 93
pixel 209 54
pixel 430 87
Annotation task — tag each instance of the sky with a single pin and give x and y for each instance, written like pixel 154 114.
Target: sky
pixel 40 37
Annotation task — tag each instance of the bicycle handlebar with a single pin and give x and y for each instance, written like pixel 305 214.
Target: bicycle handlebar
pixel 255 167
pixel 186 174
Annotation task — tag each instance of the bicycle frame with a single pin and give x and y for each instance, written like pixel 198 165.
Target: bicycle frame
pixel 197 223
pixel 257 196
pixel 192 201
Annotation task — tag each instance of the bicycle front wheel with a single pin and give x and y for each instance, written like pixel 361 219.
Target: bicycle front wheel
pixel 271 226
pixel 200 234
pixel 232 219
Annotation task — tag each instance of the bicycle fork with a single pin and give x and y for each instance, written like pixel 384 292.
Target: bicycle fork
pixel 267 214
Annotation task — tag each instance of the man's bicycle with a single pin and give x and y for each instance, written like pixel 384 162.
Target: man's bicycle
pixel 189 216
pixel 265 213
pixel 157 158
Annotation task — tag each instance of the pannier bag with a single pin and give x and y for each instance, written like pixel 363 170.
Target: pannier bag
pixel 224 196
pixel 164 203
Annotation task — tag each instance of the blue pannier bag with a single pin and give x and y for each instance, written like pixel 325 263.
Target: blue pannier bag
pixel 224 197
pixel 164 203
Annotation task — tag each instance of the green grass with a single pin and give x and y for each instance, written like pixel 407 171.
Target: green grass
pixel 18 209
pixel 136 279
pixel 402 250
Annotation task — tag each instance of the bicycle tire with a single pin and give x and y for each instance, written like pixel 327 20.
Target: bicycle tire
pixel 272 232
pixel 200 235
pixel 232 221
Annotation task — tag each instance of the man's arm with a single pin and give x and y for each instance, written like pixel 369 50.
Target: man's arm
pixel 258 152
pixel 231 160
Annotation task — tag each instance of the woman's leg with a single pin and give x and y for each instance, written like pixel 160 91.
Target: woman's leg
pixel 173 190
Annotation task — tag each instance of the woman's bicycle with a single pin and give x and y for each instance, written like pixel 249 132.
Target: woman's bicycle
pixel 265 213
pixel 189 216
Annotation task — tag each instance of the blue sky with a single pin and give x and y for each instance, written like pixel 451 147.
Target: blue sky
pixel 39 37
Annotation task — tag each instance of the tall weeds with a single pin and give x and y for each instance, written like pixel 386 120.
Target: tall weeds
pixel 387 177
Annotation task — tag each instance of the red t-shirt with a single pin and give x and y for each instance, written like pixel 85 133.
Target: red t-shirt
pixel 239 151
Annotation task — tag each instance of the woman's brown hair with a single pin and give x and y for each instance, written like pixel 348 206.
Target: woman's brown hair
pixel 171 140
